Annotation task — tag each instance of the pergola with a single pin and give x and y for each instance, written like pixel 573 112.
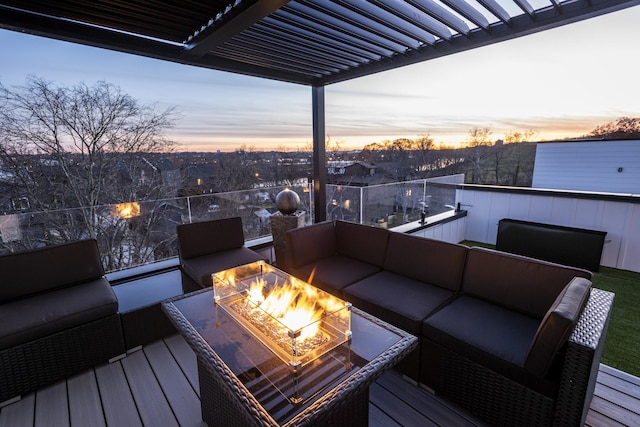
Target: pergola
pixel 308 42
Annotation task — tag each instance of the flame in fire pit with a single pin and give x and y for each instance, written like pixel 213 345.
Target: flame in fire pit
pixel 295 320
pixel 295 306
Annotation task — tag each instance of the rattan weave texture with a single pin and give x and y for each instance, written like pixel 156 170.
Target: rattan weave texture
pixel 37 363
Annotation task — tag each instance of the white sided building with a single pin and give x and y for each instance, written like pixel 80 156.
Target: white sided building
pixel 611 166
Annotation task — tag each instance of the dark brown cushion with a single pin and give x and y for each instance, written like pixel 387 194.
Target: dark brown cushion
pixel 488 334
pixel 399 300
pixel 362 242
pixel 37 316
pixel 516 282
pixel 200 268
pixel 556 326
pixel 51 267
pixel 432 261
pixel 334 273
pixel 312 243
pixel 202 238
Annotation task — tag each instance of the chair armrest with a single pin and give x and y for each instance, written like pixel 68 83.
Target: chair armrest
pixel 582 360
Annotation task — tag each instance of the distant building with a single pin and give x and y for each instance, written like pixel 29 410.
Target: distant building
pixel 602 166
pixel 359 174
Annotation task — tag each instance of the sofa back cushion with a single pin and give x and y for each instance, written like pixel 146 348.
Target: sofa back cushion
pixel 52 267
pixel 516 282
pixel 311 243
pixel 207 237
pixel 362 242
pixel 427 260
pixel 556 326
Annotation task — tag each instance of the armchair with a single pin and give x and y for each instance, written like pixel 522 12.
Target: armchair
pixel 209 246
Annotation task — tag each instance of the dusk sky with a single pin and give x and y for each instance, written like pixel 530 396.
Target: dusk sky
pixel 560 83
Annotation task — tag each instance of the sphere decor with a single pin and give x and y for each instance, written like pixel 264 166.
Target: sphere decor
pixel 287 201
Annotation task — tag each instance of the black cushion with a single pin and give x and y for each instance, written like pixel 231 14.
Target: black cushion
pixel 556 326
pixel 490 335
pixel 432 261
pixel 516 282
pixel 399 300
pixel 202 238
pixel 362 242
pixel 201 268
pixel 40 315
pixel 334 273
pixel 311 243
pixel 49 268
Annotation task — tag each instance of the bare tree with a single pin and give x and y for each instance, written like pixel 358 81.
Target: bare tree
pixel 87 147
pixel 624 127
pixel 479 142
pixel 516 136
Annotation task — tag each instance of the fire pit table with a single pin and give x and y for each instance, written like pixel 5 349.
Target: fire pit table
pixel 317 372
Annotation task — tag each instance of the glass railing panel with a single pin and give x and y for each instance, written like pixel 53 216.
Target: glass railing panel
pixel 394 204
pixel 344 203
pixel 255 207
pixel 138 233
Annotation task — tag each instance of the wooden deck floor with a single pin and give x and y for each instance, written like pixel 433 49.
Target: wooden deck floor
pixel 158 386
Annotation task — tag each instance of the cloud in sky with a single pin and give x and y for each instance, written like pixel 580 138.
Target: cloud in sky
pixel 561 82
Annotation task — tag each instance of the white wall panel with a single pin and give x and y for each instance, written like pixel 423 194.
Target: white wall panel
pixel 452 231
pixel 587 214
pixel 562 211
pixel 519 206
pixel 630 253
pixel 613 222
pixel 500 203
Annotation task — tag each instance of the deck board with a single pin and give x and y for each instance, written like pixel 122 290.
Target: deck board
pixel 85 407
pixel 377 418
pixel 401 412
pixel 186 358
pixel 159 383
pixel 424 402
pixel 181 396
pixel 52 408
pixel 150 400
pixel 117 401
pixel 20 413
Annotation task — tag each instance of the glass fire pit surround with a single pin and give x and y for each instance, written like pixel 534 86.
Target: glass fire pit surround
pixel 296 321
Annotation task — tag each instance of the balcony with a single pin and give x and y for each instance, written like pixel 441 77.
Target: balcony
pixel 158 379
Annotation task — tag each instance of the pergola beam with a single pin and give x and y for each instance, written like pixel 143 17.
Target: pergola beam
pixel 319 155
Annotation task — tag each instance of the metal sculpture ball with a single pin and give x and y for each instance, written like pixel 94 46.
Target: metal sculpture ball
pixel 287 202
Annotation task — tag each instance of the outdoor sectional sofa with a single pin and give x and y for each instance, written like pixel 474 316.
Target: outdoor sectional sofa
pixel 58 316
pixel 515 340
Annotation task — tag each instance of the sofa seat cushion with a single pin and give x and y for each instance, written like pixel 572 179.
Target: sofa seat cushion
pixel 490 335
pixel 399 300
pixel 200 268
pixel 40 315
pixel 334 273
